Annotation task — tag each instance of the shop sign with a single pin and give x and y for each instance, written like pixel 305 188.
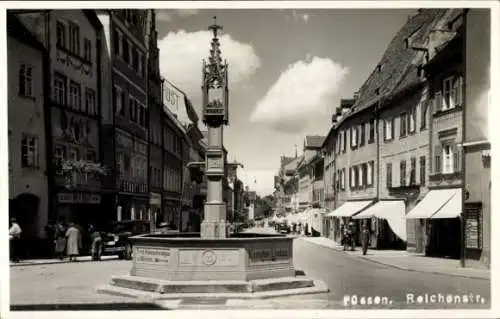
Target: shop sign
pixel 78 198
pixel 155 199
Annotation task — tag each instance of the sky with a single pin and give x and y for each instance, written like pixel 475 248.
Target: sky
pixel 288 70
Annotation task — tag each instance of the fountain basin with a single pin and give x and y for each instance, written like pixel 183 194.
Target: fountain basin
pixel 186 256
pixel 245 265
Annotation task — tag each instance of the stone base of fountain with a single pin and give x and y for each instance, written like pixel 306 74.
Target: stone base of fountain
pixel 245 265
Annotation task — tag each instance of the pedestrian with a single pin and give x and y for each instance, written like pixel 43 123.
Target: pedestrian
pixel 74 242
pixel 60 241
pixel 172 226
pixel 365 238
pixel 96 243
pixel 15 240
pixel 351 234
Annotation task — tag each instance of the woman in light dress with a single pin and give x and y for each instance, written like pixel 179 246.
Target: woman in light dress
pixel 74 242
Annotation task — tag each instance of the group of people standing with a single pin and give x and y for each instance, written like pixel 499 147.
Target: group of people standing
pixel 349 234
pixel 66 240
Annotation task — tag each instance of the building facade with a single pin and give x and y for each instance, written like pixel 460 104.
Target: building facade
pixel 75 122
pixel 125 135
pixel 27 60
pixel 155 120
pixel 477 140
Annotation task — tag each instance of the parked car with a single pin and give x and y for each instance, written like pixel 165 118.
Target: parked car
pixel 115 239
pixel 283 228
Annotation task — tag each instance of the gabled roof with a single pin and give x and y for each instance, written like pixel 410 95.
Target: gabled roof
pixel 314 141
pixel 397 61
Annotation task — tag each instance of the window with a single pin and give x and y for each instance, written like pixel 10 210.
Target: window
pixel 142 114
pixel 26 80
pixel 369 173
pixel 140 70
pixel 74 38
pixel 87 50
pixel 119 100
pixel 402 124
pixel 371 136
pixel 362 136
pixel 135 60
pixel 354 136
pixel 423 115
pixel 448 159
pixel 91 156
pixel 352 180
pixel 437 160
pixel 413 171
pixel 59 153
pixel 412 119
pixel 60 89
pixel 388 129
pixel 388 176
pixel 344 145
pixel 402 173
pixel 75 95
pixel 74 154
pixel 126 51
pixel 422 170
pixel 60 35
pixel 117 42
pixel 90 101
pixel 29 151
pixel 362 174
pixel 132 108
pixel 342 179
pixel 452 92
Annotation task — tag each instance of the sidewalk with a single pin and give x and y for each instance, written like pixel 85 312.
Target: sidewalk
pixel 406 261
pixel 32 262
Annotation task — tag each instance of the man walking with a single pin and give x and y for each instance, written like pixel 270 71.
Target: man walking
pixel 365 238
pixel 15 240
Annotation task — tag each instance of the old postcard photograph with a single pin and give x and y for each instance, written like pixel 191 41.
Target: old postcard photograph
pixel 273 159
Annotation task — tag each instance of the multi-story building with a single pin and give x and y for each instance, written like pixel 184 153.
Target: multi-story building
pixel 438 211
pixel 27 61
pixel 291 185
pixel 155 118
pixel 279 184
pixel 311 148
pixel 328 149
pixel 173 167
pixel 74 145
pixel 125 111
pixel 477 139
pixel 367 140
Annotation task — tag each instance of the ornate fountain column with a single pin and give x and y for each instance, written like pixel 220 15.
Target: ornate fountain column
pixel 215 116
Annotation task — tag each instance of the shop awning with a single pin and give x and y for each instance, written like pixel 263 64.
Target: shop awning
pixel 433 201
pixel 452 208
pixel 350 208
pixel 391 210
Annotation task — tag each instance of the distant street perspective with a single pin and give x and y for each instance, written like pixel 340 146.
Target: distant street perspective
pixel 206 159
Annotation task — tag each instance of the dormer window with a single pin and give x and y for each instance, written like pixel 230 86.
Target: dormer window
pixel 377 91
pixel 380 67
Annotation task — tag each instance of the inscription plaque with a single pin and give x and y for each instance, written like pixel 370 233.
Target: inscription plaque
pixel 269 255
pixel 217 257
pixel 151 255
pixel 214 162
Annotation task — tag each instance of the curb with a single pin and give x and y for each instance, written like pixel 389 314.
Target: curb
pixel 400 267
pixel 53 262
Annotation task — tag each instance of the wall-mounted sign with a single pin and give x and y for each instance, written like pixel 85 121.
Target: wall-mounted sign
pixel 214 163
pixel 81 198
pixel 155 199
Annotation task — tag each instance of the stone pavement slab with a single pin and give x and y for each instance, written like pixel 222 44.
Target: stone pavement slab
pixel 403 260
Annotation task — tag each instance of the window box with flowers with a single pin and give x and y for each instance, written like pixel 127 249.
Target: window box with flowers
pixel 78 172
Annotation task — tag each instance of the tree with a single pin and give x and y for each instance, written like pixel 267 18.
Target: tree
pixel 264 206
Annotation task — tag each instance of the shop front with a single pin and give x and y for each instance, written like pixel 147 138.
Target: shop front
pixel 343 214
pixel 155 207
pixel 387 223
pixel 81 208
pixel 132 207
pixel 172 211
pixel 441 209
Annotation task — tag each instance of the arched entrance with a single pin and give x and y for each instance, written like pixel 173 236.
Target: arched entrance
pixel 25 209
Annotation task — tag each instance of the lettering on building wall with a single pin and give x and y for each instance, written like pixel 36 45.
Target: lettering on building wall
pixel 84 198
pixel 151 255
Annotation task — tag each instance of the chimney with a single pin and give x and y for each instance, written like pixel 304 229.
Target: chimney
pixel 346 105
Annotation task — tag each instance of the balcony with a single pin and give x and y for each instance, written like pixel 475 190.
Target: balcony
pixel 132 187
pixel 77 180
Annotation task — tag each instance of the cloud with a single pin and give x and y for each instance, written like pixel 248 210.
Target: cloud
pixel 166 15
pixel 301 92
pixel 261 181
pixel 181 55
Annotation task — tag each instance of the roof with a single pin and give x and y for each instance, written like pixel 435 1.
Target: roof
pixel 17 29
pixel 397 60
pixel 314 141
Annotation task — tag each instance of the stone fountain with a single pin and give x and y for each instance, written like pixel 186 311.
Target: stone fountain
pixel 213 263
